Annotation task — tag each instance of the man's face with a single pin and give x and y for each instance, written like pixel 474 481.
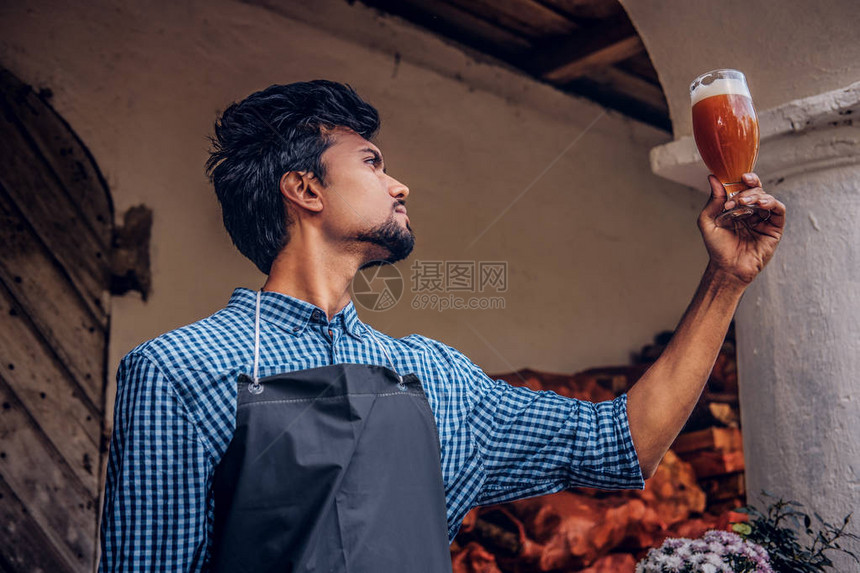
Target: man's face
pixel 364 206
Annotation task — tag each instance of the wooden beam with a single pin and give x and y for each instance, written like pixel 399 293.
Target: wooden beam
pixel 640 65
pixel 451 22
pixel 609 96
pixel 566 61
pixel 586 9
pixel 633 86
pixel 579 55
pixel 525 17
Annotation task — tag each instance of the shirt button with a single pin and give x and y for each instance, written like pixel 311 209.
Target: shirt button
pixel 316 315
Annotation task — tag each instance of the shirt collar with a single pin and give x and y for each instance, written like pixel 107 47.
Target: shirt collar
pixel 292 314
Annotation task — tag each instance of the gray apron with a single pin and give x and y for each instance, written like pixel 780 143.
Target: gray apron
pixel 331 469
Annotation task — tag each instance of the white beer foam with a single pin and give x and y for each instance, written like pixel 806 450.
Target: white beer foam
pixel 721 86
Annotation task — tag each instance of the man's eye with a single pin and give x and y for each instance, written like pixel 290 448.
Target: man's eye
pixel 375 161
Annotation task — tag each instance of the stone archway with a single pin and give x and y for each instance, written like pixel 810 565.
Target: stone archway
pixel 56 224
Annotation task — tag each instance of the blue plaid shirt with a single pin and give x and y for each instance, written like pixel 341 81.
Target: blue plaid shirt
pixel 176 406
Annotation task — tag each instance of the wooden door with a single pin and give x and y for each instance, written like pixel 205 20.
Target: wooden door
pixel 55 235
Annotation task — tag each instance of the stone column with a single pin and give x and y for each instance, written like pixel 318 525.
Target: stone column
pixel 798 325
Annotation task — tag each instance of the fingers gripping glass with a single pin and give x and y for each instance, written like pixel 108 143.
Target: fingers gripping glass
pixel 725 127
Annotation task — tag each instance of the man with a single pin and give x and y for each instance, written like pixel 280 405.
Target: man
pixel 283 434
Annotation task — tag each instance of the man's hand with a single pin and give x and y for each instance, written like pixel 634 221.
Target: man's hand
pixel 742 252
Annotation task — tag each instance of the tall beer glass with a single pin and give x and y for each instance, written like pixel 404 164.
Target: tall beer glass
pixel 725 127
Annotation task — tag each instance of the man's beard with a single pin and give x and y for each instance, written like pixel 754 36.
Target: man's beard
pixel 392 237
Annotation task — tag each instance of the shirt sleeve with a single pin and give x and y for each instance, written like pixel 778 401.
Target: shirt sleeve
pixel 538 442
pixel 156 491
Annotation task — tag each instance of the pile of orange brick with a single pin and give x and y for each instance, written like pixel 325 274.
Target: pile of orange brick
pixel 697 484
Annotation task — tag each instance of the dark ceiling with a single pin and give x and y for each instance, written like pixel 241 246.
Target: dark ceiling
pixel 587 48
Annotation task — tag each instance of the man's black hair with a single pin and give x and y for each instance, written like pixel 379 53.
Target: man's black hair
pixel 271 132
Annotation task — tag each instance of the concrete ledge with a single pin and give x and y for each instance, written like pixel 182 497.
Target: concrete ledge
pixel 828 119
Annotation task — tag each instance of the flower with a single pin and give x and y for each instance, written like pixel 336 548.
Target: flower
pixel 715 552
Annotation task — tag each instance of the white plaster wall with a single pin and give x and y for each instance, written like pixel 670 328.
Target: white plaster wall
pixel 602 254
pixel 787 50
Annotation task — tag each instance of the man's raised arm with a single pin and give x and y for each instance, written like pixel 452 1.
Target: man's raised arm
pixel 659 404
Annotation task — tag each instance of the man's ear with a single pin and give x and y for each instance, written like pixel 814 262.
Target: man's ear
pixel 300 189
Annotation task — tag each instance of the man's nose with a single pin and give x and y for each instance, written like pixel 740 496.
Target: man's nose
pixel 397 189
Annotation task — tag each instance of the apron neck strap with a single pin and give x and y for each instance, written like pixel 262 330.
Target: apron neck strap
pixel 257 340
pixel 387 355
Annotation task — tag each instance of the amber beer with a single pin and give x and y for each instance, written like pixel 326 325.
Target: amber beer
pixel 725 126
